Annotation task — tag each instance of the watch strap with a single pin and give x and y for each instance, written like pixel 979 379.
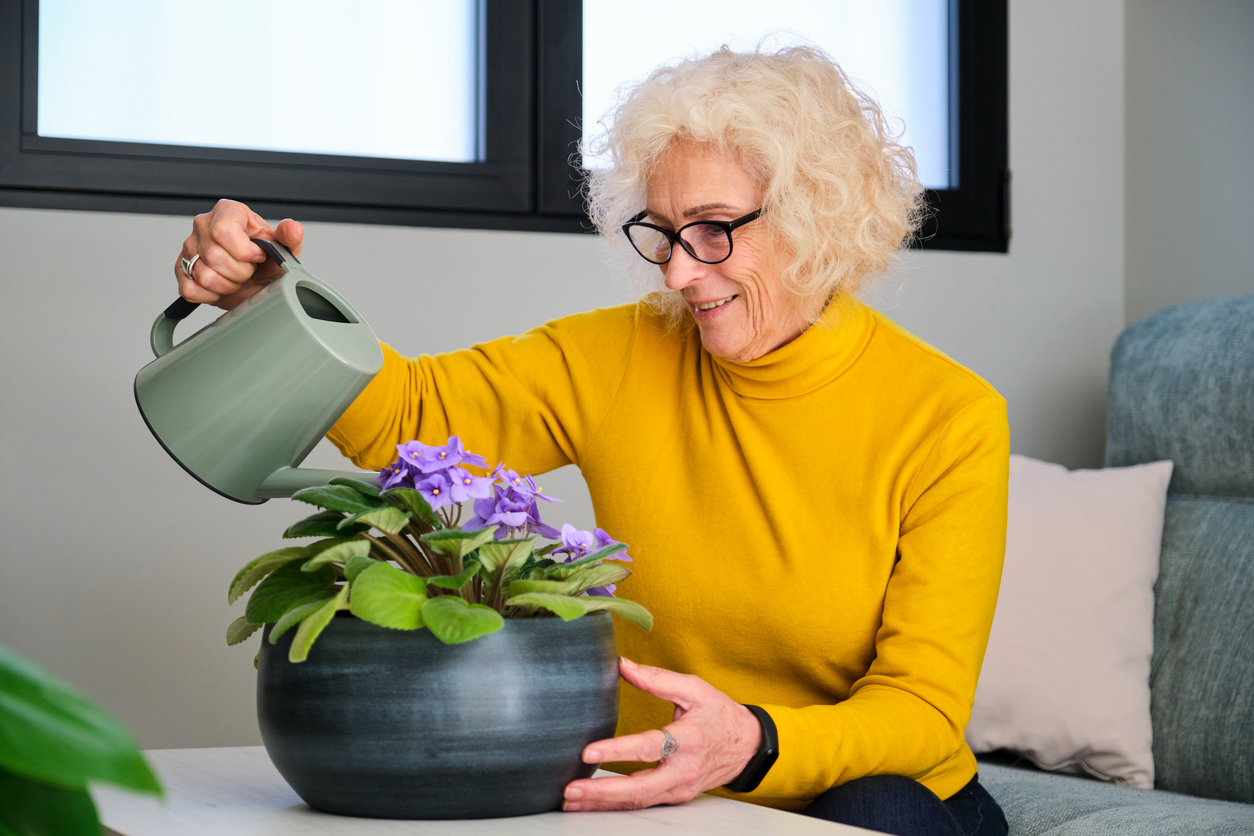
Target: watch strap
pixel 763 759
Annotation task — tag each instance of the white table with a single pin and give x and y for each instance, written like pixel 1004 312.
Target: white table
pixel 239 792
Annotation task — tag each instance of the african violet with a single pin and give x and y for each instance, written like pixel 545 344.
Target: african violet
pixel 394 554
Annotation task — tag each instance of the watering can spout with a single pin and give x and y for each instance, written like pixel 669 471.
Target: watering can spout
pixel 241 402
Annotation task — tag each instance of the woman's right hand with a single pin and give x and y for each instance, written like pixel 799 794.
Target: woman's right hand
pixel 231 268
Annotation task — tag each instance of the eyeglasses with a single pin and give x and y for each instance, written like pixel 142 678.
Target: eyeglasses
pixel 709 242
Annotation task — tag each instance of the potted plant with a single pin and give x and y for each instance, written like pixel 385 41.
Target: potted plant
pixel 53 743
pixel 459 670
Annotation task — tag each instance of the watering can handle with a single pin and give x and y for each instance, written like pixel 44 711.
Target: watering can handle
pixel 162 335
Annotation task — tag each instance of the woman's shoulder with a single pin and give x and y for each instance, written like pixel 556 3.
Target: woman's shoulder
pixel 924 365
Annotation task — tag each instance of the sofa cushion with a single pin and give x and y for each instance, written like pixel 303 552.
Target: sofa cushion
pixel 1202 671
pixel 1040 803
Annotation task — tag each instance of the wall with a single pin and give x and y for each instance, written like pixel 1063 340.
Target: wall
pixel 114 564
pixel 1190 162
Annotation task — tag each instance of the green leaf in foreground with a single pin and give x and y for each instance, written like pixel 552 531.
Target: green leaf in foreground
pixel 287 587
pixel 420 507
pixel 384 595
pixel 364 488
pixel 629 610
pixel 259 567
pixel 497 553
pixel 456 543
pixel 240 629
pixel 339 553
pixel 565 570
pixel 563 606
pixel 602 574
pixel 542 587
pixel 387 519
pixel 48 732
pixel 322 524
pixel 313 626
pixel 453 621
pixel 455 581
pixel 294 615
pixel 337 498
pixel 32 808
pixel 356 565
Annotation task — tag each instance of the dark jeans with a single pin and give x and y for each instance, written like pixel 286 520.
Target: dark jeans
pixel 892 804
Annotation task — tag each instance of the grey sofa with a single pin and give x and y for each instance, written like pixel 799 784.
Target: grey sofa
pixel 1181 388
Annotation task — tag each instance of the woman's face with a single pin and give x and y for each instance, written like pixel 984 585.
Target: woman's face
pixel 740 305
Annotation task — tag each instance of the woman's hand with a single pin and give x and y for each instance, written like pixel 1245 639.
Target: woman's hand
pixel 227 271
pixel 716 737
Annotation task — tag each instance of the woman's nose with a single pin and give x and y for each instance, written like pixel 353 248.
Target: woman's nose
pixel 682 270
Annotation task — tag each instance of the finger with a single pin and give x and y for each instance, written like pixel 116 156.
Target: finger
pixel 682 689
pixel 193 292
pixel 232 230
pixel 645 746
pixel 290 234
pixel 632 792
pixel 212 281
pixel 224 264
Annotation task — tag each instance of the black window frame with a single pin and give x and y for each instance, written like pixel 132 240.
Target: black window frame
pixel 531 109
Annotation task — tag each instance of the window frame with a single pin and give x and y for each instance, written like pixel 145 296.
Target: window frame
pixel 531 108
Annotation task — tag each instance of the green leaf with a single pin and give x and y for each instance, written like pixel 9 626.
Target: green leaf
pixel 457 543
pixel 565 570
pixel 384 595
pixel 312 627
pixel 356 565
pixel 259 567
pixel 363 488
pixel 294 615
pixel 387 519
pixel 453 621
pixel 322 524
pixel 49 732
pixel 287 587
pixel 240 629
pixel 455 581
pixel 545 587
pixel 564 606
pixel 421 508
pixel 629 610
pixel 338 553
pixel 601 574
pixel 337 498
pixel 537 567
pixel 505 553
pixel 32 808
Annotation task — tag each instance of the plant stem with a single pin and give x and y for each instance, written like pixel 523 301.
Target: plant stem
pixel 391 555
pixel 413 556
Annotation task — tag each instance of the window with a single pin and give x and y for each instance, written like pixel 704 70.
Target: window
pixel 460 113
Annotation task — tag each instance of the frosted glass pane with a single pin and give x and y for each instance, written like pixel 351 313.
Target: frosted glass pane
pixel 897 50
pixel 373 78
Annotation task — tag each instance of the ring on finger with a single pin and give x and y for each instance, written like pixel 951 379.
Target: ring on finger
pixel 188 264
pixel 670 745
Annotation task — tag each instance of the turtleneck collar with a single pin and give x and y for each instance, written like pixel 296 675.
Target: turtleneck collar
pixel 820 355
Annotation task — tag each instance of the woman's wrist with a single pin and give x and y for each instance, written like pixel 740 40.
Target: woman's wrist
pixel 763 756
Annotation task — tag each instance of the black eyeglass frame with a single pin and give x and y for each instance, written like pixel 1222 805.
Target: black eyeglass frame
pixel 727 226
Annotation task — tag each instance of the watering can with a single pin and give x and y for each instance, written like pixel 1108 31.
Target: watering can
pixel 240 403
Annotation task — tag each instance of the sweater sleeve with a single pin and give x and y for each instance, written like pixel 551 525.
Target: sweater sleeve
pixel 533 401
pixel 907 714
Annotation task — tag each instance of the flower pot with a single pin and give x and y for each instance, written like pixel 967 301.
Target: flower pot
pixel 395 724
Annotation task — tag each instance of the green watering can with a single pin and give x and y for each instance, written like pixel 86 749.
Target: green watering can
pixel 241 402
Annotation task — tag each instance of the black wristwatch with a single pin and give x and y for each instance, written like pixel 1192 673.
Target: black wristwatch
pixel 760 763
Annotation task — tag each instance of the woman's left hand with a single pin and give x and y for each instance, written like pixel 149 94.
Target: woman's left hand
pixel 716 738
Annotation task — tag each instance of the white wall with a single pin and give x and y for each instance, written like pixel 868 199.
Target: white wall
pixel 1190 160
pixel 114 564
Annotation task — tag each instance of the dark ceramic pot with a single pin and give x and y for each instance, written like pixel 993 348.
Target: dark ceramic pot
pixel 395 724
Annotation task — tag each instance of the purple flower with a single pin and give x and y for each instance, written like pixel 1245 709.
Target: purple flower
pixel 501 510
pixel 391 476
pixel 465 485
pixel 579 544
pixel 522 485
pixel 606 591
pixel 428 459
pixel 436 489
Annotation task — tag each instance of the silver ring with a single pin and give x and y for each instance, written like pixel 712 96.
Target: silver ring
pixel 669 746
pixel 188 264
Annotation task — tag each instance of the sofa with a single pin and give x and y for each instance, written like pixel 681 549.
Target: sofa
pixel 1181 388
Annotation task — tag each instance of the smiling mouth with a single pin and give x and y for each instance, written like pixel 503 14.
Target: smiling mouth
pixel 706 306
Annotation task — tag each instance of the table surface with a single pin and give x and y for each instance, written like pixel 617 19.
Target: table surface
pixel 238 791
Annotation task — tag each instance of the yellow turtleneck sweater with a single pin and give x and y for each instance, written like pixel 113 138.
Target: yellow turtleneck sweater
pixel 819 532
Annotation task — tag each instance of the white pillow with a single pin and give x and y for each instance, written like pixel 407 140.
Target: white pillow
pixel 1065 680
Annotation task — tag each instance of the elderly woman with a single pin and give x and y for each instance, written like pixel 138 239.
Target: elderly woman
pixel 815 499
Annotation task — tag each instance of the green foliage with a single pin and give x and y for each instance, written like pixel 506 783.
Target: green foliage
pixel 287 587
pixel 418 571
pixel 53 741
pixel 388 597
pixel 454 621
